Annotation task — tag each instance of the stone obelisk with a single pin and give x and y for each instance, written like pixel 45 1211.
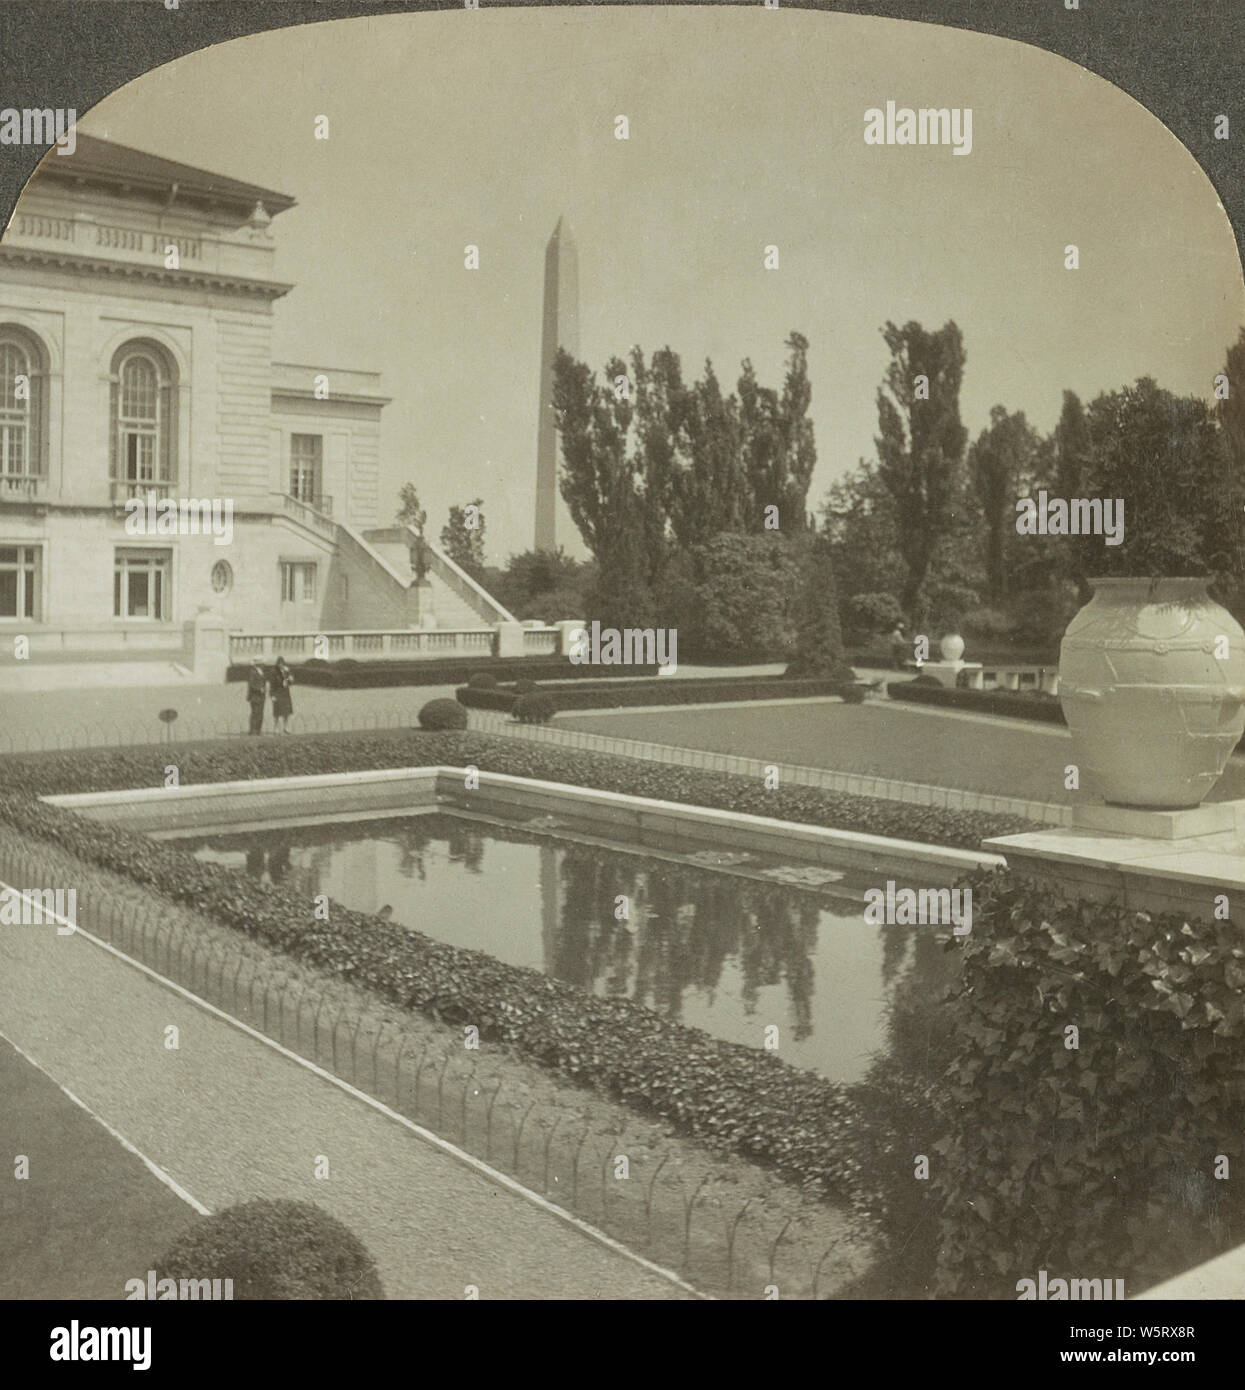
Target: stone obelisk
pixel 559 329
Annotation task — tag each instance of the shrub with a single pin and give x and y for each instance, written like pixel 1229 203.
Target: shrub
pixel 613 694
pixel 275 1250
pixel 1019 704
pixel 866 614
pixel 943 605
pixel 366 675
pixel 525 687
pixel 988 625
pixel 818 647
pixel 483 680
pixel 852 693
pixel 443 714
pixel 94 770
pixel 736 598
pixel 1095 1159
pixel 534 709
pixel 742 1098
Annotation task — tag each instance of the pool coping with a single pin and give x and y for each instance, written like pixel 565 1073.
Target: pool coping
pixel 233 805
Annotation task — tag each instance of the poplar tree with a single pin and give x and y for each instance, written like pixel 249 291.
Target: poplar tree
pixel 465 544
pixel 920 443
pixel 1000 467
pixel 819 635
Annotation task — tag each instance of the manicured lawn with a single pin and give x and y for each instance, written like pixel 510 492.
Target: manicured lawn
pixel 913 745
pixel 908 744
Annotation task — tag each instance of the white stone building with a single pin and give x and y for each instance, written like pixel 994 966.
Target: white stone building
pixel 136 313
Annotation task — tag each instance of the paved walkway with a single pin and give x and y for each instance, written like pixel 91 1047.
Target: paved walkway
pixel 229 1118
pixel 85 716
pixel 90 1214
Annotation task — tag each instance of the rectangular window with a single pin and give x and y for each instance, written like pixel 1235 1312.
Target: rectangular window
pixel 12 446
pixel 306 459
pixel 298 581
pixel 140 456
pixel 140 585
pixel 19 581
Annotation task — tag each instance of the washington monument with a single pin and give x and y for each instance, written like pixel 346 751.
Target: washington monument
pixel 559 329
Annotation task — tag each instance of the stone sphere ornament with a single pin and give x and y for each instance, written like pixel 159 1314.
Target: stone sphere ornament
pixel 952 647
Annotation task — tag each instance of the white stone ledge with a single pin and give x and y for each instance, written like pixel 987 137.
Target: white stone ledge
pixel 221 805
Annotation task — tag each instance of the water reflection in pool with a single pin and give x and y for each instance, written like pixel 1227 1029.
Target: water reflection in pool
pixel 729 952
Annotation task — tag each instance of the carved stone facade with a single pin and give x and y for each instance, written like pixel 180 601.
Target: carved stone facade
pixel 136 316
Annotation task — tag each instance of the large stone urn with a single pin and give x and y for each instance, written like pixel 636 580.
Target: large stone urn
pixel 1152 683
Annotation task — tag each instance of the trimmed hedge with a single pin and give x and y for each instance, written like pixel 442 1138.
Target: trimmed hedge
pixel 740 1098
pixel 744 1099
pixel 275 1250
pixel 350 674
pixel 1017 704
pixel 442 714
pixel 220 760
pixel 613 694
pixel 535 708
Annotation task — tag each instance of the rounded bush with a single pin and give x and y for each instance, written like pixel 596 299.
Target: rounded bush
pixel 275 1250
pixel 525 687
pixel 443 714
pixel 482 680
pixel 537 708
pixel 874 612
pixel 852 694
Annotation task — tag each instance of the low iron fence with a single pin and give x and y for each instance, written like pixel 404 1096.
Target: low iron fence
pixel 686 1216
pixel 859 784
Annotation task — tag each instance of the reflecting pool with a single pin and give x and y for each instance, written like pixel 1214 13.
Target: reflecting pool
pixel 736 944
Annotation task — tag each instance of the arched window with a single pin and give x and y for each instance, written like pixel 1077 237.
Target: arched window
pixel 144 418
pixel 23 396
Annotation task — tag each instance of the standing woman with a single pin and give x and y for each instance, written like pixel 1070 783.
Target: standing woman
pixel 282 705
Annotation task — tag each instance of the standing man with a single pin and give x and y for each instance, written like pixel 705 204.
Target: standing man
pixel 256 694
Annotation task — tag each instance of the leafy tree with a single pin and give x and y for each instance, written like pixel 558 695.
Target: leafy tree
pixel 462 537
pixel 710 493
pixel 1169 461
pixel 740 603
pixel 819 636
pixel 1230 412
pixel 921 442
pixel 1000 467
pixel 1070 445
pixel 777 440
pixel 601 483
pixel 654 466
pixel 410 513
pixel 545 584
pixel 859 518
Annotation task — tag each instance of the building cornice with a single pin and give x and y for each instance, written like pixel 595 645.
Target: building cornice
pixel 298 393
pixel 131 270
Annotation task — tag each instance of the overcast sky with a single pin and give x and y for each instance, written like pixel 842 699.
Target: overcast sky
pixel 746 129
